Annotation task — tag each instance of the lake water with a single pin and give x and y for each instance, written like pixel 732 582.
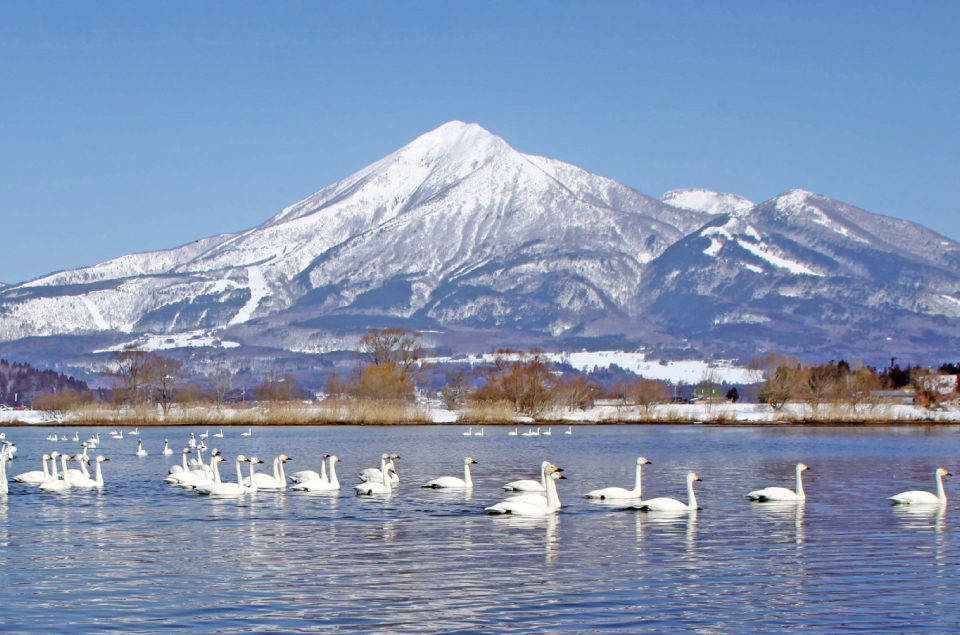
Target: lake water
pixel 144 557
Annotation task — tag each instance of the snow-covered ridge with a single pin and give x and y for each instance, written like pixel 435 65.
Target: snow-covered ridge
pixel 707 201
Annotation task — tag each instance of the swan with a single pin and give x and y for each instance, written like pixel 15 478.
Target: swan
pixel 535 434
pixel 318 485
pixel 372 487
pixel 192 443
pixel 538 498
pixel 453 482
pixel 213 479
pixel 205 434
pixel 76 436
pixel 166 447
pixel 478 434
pixel 10 449
pixel 197 462
pixel 781 493
pixel 309 475
pixel 530 485
pixel 174 469
pixel 4 485
pixel 278 480
pixel 52 437
pixel 136 431
pixel 64 438
pixel 569 430
pixel 36 476
pixel 86 481
pixel 548 433
pixel 528 433
pixel 373 475
pixel 82 472
pixel 619 492
pixel 468 433
pixel 93 441
pixel 228 490
pixel 514 433
pixel 59 486
pixel 527 508
pixel 924 498
pixel 140 451
pixel 184 475
pixel 117 435
pixel 670 504
pixel 219 435
pixel 248 433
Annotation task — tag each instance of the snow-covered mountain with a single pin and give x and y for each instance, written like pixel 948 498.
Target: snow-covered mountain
pixel 459 233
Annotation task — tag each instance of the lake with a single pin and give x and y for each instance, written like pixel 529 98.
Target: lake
pixel 144 557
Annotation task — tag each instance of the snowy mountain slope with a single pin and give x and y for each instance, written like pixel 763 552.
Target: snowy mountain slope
pixel 805 264
pixel 707 202
pixel 456 226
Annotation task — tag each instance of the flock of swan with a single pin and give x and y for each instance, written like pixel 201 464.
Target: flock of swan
pixel 524 497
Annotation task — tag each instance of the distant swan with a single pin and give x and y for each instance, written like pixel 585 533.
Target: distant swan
pixel 478 434
pixel 166 447
pixel 140 451
pixel 454 482
pixel 248 433
pixel 670 504
pixel 136 431
pixel 781 493
pixel 228 490
pixel 619 492
pixel 219 435
pixel 468 433
pixel 514 433
pixel 548 433
pixel 569 430
pixel 924 498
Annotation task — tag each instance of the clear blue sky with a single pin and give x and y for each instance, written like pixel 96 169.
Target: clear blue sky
pixel 136 126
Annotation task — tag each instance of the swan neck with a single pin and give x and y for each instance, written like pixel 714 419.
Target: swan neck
pixel 553 499
pixel 333 472
pixel 691 497
pixel 800 493
pixel 99 475
pixel 185 468
pixel 636 481
pixel 253 479
pixel 46 470
pixel 941 494
pixel 276 469
pixel 239 475
pixel 323 470
pixel 66 473
pixel 466 475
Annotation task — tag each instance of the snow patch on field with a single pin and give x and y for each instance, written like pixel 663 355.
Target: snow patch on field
pixel 188 339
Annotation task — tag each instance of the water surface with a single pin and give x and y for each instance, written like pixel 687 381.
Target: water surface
pixel 144 557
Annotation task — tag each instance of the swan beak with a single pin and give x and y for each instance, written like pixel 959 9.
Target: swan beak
pixel 561 476
pixel 105 459
pixel 395 456
pixel 699 479
pixel 472 461
pixel 946 473
pixel 647 462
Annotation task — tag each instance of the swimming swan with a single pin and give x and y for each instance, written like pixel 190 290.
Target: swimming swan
pixel 228 490
pixel 373 475
pixel 569 430
pixel 619 492
pixel 514 433
pixel 373 487
pixel 781 493
pixel 319 485
pixel 248 433
pixel 166 447
pixel 453 482
pixel 59 486
pixel 140 451
pixel 539 498
pixel 468 433
pixel 212 479
pixel 278 480
pixel 310 475
pixel 924 498
pixel 526 508
pixel 219 435
pixel 36 476
pixel 530 485
pixel 670 504
pixel 86 481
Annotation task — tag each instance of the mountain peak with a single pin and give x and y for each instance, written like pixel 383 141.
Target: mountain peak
pixel 707 201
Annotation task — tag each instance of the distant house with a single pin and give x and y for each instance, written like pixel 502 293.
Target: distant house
pixel 906 396
pixel 943 385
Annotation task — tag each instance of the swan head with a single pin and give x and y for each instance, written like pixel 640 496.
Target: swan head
pixel 643 461
pixel 943 472
pixel 46 457
pixel 334 458
pixel 54 454
pixel 214 452
pixel 557 476
pixel 217 459
pixel 241 459
pixel 691 477
pixel 802 466
pixel 468 461
pixel 284 458
pixel 100 459
pixel 394 456
pixel 384 456
pixel 186 450
pixel 66 457
pixel 254 459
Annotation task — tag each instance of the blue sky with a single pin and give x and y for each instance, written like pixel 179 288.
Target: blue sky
pixel 137 126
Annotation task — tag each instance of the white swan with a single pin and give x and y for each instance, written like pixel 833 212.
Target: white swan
pixel 527 508
pixel 219 435
pixel 318 485
pixel 86 481
pixel 620 492
pixel 4 485
pixel 514 433
pixel 201 472
pixel 924 498
pixel 227 490
pixel 373 487
pixel 136 431
pixel 205 434
pixel 548 433
pixel 535 434
pixel 180 468
pixel 59 486
pixel 64 438
pixel 528 433
pixel 468 433
pixel 192 443
pixel 36 476
pixel 278 480
pixel 670 504
pixel 140 451
pixel 76 436
pixel 75 474
pixel 310 475
pixel 782 493
pixel 539 498
pixel 248 433
pixel 453 482
pixel 117 435
pixel 478 434
pixel 166 447
pixel 373 475
pixel 212 479
pixel 569 430
pixel 530 485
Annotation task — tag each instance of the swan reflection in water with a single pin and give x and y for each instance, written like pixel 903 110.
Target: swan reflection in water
pixel 783 511
pixel 920 516
pixel 549 524
pixel 669 519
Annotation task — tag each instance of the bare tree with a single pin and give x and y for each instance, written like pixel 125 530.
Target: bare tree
pixel 221 383
pixel 395 345
pixel 132 367
pixel 165 376
pixel 648 393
